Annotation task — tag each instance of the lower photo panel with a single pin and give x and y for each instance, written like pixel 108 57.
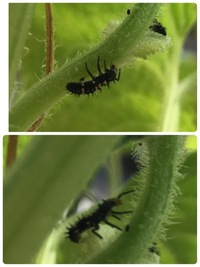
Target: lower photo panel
pixel 101 199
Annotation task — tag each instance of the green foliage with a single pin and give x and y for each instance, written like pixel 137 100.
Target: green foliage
pixel 52 171
pixel 154 94
pixel 20 18
pixel 47 176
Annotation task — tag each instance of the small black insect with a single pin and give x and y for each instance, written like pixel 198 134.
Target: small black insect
pixel 158 28
pixel 89 87
pixel 93 220
pixel 154 249
pixel 155 27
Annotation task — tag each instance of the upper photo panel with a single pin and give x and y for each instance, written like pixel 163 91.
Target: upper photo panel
pixel 103 67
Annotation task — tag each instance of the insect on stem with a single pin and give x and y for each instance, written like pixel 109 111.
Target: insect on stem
pixel 93 220
pixel 96 83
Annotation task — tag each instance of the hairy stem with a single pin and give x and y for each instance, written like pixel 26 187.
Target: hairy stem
pixel 156 202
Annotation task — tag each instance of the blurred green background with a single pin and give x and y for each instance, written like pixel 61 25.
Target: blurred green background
pixel 140 100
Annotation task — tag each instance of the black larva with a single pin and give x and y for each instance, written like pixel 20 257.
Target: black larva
pixel 158 28
pixel 89 87
pixel 93 220
pixel 155 27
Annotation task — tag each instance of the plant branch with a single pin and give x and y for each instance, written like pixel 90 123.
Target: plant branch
pixel 49 38
pixel 164 155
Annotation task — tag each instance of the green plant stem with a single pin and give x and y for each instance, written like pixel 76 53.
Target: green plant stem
pixel 170 122
pixel 172 85
pixel 155 206
pixel 52 88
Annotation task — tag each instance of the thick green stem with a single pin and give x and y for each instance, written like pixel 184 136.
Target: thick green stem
pixel 155 206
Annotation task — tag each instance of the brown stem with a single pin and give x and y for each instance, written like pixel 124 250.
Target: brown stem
pixel 49 39
pixel 34 127
pixel 49 55
pixel 11 150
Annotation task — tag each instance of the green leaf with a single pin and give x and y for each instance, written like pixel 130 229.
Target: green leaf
pixel 20 19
